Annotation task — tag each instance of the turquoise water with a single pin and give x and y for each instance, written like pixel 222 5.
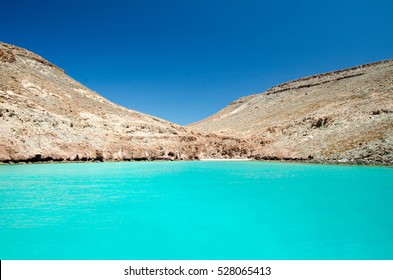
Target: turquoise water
pixel 195 210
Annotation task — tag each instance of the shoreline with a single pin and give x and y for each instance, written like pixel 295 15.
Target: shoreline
pixel 286 160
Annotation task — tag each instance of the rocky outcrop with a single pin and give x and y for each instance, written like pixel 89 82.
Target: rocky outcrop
pixel 343 116
pixel 47 116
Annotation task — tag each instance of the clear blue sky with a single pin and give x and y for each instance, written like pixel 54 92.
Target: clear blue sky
pixel 185 60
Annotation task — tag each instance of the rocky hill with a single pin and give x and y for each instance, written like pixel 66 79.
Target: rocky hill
pixel 46 115
pixel 341 116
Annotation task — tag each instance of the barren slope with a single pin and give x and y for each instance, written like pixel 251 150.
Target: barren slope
pixel 344 116
pixel 46 115
pixel 341 116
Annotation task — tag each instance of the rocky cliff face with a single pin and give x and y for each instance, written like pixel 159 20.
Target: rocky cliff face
pixel 341 116
pixel 46 115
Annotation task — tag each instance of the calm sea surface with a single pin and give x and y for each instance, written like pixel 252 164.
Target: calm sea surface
pixel 195 210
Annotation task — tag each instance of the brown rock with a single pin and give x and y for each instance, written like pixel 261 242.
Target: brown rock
pixel 320 117
pixel 46 115
pixel 343 116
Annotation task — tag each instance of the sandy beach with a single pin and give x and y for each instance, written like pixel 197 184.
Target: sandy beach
pixel 225 159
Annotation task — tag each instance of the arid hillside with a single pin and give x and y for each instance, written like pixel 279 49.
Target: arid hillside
pixel 46 115
pixel 341 116
pixel 344 116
